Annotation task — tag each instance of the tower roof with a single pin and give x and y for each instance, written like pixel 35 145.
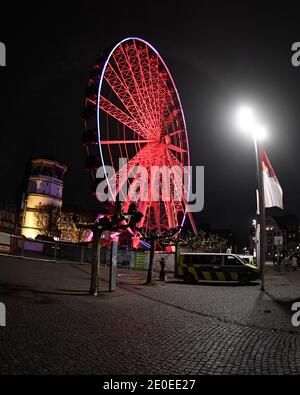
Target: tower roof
pixel 49 160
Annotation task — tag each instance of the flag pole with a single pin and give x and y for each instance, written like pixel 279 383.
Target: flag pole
pixel 261 213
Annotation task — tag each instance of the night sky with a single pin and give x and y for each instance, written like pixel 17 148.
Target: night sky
pixel 221 54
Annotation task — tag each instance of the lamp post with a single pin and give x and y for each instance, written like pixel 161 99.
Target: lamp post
pixel 260 213
pixel 248 124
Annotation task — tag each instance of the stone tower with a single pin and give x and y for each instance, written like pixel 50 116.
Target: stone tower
pixel 45 188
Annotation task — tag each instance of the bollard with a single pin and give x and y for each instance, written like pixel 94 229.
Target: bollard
pixel 2 315
pixel 55 252
pixel 162 274
pixel 113 266
pixel 82 256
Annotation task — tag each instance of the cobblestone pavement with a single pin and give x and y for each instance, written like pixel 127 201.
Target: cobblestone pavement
pixel 53 327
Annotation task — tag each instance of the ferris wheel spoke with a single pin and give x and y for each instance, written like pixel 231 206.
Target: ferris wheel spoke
pixel 154 81
pixel 169 109
pixel 160 95
pixel 122 142
pixel 177 149
pixel 180 183
pixel 147 77
pixel 171 215
pixel 177 133
pixel 157 216
pixel 177 191
pixel 177 205
pixel 120 116
pixel 126 60
pixel 142 70
pixel 143 208
pixel 158 86
pixel 118 180
pixel 177 195
pixel 125 93
pixel 166 197
pixel 150 80
pixel 141 182
pixel 175 162
pixel 163 93
pixel 134 63
pixel 173 116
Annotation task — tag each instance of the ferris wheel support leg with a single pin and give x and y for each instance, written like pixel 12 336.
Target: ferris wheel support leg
pixel 193 223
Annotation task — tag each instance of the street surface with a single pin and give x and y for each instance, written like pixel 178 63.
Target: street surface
pixel 55 327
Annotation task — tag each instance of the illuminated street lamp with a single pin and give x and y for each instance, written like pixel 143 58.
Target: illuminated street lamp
pixel 248 123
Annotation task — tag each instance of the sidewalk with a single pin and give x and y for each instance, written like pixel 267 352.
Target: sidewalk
pixel 75 278
pixel 283 286
pixel 232 303
pixel 243 305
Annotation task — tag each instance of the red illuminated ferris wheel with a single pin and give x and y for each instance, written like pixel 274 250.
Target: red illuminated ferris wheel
pixel 133 111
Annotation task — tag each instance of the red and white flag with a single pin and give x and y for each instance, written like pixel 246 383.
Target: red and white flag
pixel 273 190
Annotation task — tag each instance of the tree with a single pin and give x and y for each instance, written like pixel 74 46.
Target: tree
pixel 202 242
pixel 195 242
pixel 214 243
pixel 117 222
pixel 78 235
pixel 153 237
pixel 48 220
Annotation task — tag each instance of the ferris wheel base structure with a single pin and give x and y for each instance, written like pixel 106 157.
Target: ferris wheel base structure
pixel 132 110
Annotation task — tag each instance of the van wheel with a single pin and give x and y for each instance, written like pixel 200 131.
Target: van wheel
pixel 189 279
pixel 244 280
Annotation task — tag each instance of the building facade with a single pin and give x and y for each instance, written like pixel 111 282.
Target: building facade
pixel 282 234
pixel 8 219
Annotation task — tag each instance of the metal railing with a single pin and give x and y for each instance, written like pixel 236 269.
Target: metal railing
pixel 18 246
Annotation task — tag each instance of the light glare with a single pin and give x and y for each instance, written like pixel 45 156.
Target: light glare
pixel 248 123
pixel 260 133
pixel 245 119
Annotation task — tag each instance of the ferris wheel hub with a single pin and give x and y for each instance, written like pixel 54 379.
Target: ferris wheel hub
pixel 167 140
